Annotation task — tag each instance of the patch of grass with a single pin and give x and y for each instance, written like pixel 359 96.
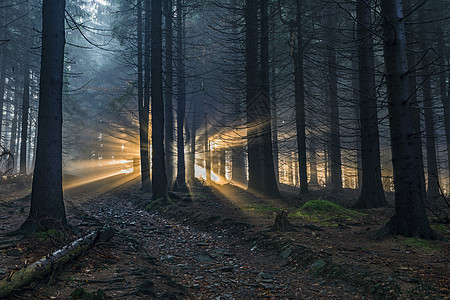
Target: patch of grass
pixel 261 208
pixel 325 213
pixel 422 244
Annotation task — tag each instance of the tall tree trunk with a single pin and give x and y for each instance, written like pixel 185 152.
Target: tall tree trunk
pixel 430 139
pixel 159 177
pixel 14 129
pixel 444 98
pixel 168 107
pixel 416 105
pixel 255 167
pixel 313 181
pixel 335 139
pixel 4 51
pixel 47 206
pixel 180 182
pixel 191 157
pixel 274 112
pixel 206 140
pixel 25 110
pixel 410 218
pixel 372 193
pixel 144 95
pixel 300 117
pixel 270 186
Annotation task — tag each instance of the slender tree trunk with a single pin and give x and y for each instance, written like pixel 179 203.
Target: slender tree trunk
pixel 168 107
pixel 191 160
pixel 300 105
pixel 313 181
pixel 410 218
pixel 444 98
pixel 270 186
pixel 180 182
pixel 335 139
pixel 47 206
pixel 430 139
pixel 159 177
pixel 4 49
pixel 144 95
pixel 14 130
pixel 372 193
pixel 273 103
pixel 25 110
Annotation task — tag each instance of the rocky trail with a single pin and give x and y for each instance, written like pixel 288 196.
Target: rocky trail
pixel 216 243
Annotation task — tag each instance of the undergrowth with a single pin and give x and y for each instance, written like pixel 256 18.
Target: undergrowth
pixel 325 212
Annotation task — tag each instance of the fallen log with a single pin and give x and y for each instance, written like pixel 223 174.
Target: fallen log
pixel 46 264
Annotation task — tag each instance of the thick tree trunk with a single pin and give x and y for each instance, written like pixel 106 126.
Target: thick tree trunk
pixel 47 206
pixel 372 194
pixel 168 105
pixel 300 116
pixel 254 121
pixel 180 182
pixel 335 138
pixel 159 178
pixel 144 95
pixel 410 218
pixel 238 175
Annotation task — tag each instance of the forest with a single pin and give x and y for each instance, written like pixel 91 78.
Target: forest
pixel 224 149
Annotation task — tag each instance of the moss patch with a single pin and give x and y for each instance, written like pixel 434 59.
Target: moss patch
pixel 48 235
pixel 261 208
pixel 325 212
pixel 422 244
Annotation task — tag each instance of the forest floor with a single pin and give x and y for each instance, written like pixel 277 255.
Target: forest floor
pixel 216 242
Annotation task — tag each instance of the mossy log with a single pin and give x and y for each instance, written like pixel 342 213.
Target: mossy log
pixel 47 264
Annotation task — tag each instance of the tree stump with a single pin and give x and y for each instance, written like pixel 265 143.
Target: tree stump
pixel 282 222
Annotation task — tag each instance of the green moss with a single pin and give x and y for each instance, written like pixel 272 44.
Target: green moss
pixel 325 212
pixel 261 208
pixel 160 202
pixel 49 234
pixel 422 244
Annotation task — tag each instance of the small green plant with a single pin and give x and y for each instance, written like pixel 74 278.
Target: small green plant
pixel 160 202
pixel 325 212
pixel 422 244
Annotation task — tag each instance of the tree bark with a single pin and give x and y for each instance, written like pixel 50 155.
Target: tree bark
pixel 144 95
pixel 25 111
pixel 254 122
pixel 430 140
pixel 168 107
pixel 444 98
pixel 180 182
pixel 300 116
pixel 335 139
pixel 159 177
pixel 372 194
pixel 47 206
pixel 416 105
pixel 410 218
